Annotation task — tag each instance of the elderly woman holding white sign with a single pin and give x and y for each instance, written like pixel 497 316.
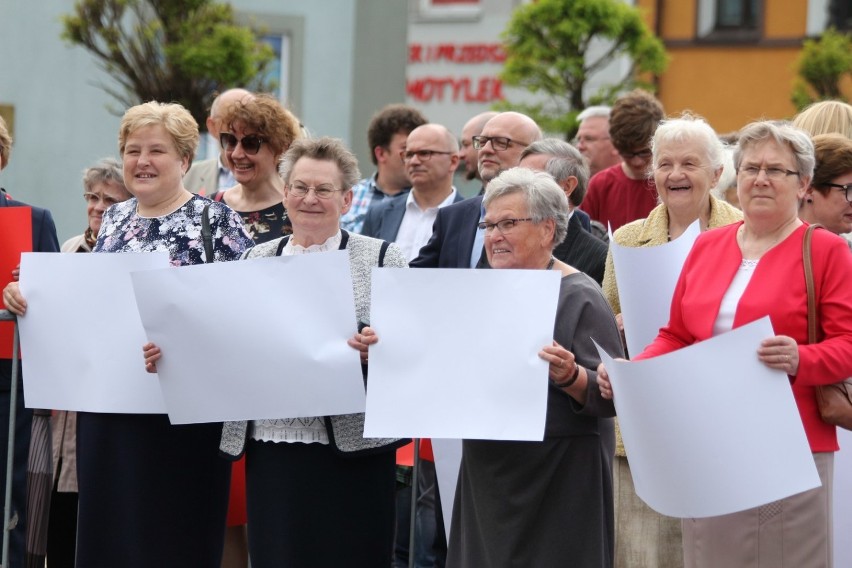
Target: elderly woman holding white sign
pixel 318 492
pixel 740 273
pixel 542 503
pixel 686 164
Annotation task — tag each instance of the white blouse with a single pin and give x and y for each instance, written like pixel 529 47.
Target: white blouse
pixel 307 430
pixel 728 308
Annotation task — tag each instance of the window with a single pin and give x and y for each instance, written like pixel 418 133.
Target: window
pixel 728 21
pixel 840 15
pixel 736 14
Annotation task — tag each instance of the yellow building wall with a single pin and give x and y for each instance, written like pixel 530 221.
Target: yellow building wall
pixel 785 18
pixel 729 84
pixel 729 87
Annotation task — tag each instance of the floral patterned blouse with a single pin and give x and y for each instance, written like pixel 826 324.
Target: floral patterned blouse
pixel 178 233
pixel 264 225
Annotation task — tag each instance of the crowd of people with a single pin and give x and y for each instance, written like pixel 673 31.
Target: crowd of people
pixel 134 490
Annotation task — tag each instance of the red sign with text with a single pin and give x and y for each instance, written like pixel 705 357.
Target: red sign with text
pixel 463 88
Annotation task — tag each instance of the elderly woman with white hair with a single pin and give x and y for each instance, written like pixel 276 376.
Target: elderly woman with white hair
pixel 542 503
pixel 738 274
pixel 687 162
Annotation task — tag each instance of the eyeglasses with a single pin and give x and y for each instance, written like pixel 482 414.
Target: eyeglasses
pixel 251 143
pixel 94 198
pixel 844 188
pixel 299 189
pixel 771 173
pixel 497 142
pixel 422 155
pixel 644 154
pixel 588 139
pixel 505 226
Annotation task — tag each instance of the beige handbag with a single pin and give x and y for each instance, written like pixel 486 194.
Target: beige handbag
pixel 835 400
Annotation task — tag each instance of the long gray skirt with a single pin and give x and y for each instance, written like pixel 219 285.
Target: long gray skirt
pixel 523 504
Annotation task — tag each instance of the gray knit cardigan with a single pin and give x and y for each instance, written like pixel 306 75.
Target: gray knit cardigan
pixel 345 431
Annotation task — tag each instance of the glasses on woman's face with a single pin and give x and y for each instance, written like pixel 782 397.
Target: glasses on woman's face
pixel 844 188
pixel 94 199
pixel 775 174
pixel 505 226
pixel 299 189
pixel 251 143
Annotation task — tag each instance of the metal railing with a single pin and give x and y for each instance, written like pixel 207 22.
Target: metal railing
pixel 6 315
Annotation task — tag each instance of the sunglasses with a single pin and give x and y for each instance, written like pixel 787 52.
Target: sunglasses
pixel 251 143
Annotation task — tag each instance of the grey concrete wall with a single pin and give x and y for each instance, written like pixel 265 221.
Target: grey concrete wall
pixel 347 61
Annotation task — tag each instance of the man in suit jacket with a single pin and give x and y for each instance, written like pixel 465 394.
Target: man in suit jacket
pixel 206 177
pixel 456 241
pixel 43 240
pixel 431 157
pixel 580 248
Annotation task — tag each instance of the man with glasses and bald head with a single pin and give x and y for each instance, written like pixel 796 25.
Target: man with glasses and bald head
pixel 430 158
pixel 456 241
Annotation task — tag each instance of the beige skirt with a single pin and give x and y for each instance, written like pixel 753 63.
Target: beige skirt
pixel 795 532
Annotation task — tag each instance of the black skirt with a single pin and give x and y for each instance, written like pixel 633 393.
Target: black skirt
pixel 311 506
pixel 151 494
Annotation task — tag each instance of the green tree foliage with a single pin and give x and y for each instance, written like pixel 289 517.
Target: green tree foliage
pixel 547 44
pixel 821 66
pixel 168 50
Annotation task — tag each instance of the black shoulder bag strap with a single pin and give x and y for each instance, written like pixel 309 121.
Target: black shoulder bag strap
pixel 344 240
pixel 207 234
pixel 382 250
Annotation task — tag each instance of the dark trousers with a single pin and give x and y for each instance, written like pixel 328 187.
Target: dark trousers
pixel 62 530
pixel 430 541
pixel 23 426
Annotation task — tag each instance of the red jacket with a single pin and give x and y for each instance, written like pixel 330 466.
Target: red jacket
pixel 777 289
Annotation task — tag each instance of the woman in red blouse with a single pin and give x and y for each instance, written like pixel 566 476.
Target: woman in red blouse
pixel 740 273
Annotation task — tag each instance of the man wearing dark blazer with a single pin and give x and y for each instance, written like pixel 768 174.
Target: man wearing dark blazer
pixel 580 248
pixel 43 240
pixel 456 242
pixel 430 158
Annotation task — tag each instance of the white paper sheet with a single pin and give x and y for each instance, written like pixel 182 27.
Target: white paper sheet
pixel 709 429
pixel 81 338
pixel 270 342
pixel 646 279
pixel 448 453
pixel 842 498
pixel 457 355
